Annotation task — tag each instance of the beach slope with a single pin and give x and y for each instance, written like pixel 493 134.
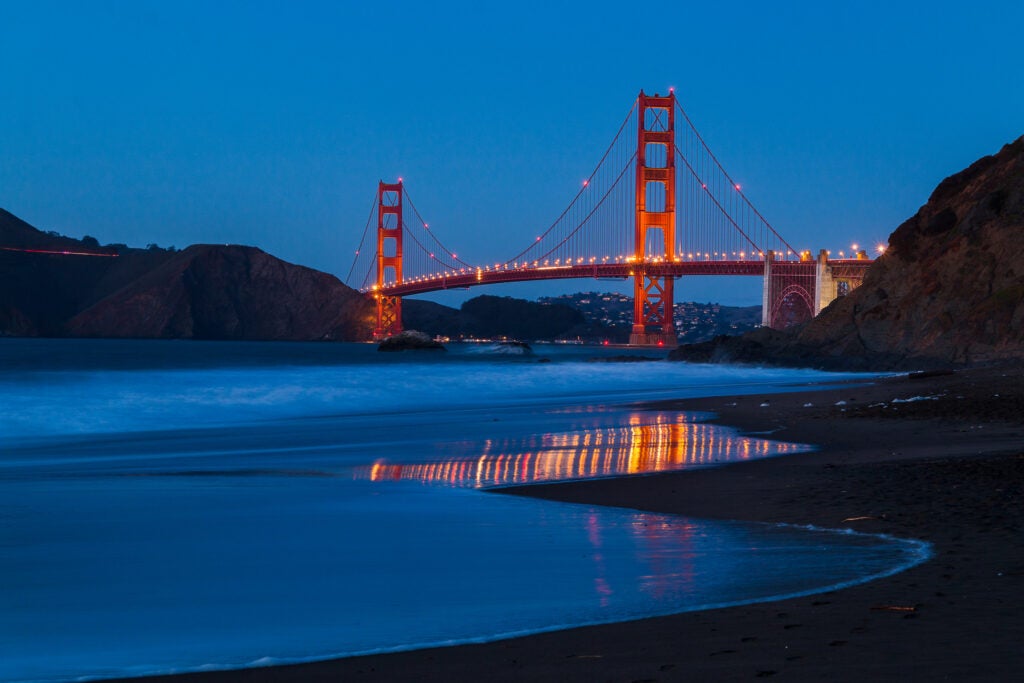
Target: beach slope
pixel 937 457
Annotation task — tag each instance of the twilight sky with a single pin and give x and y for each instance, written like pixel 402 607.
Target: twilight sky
pixel 270 123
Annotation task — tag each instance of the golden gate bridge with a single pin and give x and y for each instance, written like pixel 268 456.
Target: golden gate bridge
pixel 658 206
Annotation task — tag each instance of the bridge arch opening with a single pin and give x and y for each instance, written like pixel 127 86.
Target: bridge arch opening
pixel 793 306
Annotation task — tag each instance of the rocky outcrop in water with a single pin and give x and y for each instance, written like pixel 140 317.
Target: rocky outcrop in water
pixel 948 291
pixel 410 340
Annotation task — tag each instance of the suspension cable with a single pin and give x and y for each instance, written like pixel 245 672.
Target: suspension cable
pixel 592 211
pixel 714 199
pixel 430 254
pixel 362 241
pixel 582 189
pixel 729 178
pixel 432 235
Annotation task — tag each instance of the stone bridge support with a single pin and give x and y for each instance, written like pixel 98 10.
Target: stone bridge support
pixel 824 284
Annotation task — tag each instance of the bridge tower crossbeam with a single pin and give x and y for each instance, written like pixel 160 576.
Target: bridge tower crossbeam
pixel 389 258
pixel 653 295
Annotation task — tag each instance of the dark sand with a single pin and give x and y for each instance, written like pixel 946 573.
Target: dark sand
pixel 949 470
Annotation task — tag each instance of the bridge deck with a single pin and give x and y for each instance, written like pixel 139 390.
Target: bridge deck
pixel 492 275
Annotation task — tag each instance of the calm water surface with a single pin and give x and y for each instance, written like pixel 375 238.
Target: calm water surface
pixel 171 506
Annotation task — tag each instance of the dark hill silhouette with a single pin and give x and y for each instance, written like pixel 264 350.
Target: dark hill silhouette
pixel 39 292
pixel 948 291
pixel 229 292
pixel 489 316
pixel 203 292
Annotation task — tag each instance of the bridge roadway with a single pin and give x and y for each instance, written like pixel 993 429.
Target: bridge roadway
pixel 841 268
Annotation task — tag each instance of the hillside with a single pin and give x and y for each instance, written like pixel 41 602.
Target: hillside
pixel 610 315
pixel 948 291
pixel 489 316
pixel 203 292
pixel 41 287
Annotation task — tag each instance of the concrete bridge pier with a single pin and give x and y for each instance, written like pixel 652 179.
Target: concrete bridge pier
pixel 825 291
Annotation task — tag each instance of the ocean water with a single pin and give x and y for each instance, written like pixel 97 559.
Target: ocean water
pixel 175 506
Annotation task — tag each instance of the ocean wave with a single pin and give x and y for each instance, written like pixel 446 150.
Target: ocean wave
pixel 69 402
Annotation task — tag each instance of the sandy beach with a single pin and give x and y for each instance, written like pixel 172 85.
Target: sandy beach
pixel 946 467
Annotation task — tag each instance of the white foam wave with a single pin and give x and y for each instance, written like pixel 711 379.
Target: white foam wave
pixel 94 402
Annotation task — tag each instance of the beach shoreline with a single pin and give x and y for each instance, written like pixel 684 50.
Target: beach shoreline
pixel 936 457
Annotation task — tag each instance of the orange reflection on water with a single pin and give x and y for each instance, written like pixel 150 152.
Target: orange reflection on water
pixel 650 443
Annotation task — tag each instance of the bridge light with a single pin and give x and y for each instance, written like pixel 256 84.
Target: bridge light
pixel 853 246
pixel 585 182
pixel 737 186
pixel 880 248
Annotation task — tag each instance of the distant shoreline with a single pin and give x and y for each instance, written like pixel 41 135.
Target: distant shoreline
pixel 950 470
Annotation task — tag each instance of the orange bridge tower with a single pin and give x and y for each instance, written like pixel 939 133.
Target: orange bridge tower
pixel 655 216
pixel 389 258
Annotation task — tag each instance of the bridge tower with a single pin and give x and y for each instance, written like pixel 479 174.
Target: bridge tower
pixel 655 213
pixel 389 258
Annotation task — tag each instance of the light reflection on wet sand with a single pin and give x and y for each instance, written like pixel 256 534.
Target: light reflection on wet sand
pixel 648 443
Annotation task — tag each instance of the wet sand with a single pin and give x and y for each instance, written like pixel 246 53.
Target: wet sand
pixel 948 469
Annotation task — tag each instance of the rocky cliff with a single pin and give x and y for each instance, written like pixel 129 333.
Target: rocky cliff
pixel 948 291
pixel 203 292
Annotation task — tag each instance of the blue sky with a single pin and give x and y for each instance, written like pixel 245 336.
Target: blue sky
pixel 270 123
